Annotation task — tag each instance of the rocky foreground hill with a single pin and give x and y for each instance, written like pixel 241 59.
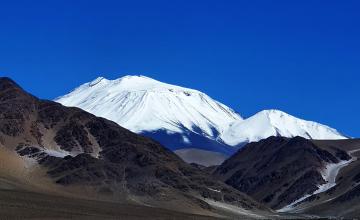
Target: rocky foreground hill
pixel 48 148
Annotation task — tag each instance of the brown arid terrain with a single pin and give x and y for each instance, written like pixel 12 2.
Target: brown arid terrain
pixel 53 153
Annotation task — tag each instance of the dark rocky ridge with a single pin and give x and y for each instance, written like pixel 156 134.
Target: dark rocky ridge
pixel 277 170
pixel 341 201
pixel 104 156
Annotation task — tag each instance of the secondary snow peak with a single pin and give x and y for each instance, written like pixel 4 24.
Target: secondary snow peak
pixel 274 122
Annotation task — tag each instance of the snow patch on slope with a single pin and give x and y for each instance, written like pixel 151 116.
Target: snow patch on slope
pixel 56 153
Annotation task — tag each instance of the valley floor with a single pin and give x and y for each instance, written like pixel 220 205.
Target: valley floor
pixel 27 205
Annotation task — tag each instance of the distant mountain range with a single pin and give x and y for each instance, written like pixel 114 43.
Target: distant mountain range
pixel 185 120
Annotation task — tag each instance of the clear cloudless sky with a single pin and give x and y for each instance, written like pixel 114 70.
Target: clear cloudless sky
pixel 302 57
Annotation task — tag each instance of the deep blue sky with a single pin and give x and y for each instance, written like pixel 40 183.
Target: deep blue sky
pixel 302 57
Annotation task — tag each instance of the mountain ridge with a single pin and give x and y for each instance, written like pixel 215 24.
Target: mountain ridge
pixel 182 118
pixel 297 175
pixel 279 170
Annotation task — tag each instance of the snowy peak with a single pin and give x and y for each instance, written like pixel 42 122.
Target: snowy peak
pixel 276 123
pixel 140 103
pixel 137 83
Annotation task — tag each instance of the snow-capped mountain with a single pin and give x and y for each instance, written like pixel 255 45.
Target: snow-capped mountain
pixel 182 118
pixel 275 123
pixel 178 117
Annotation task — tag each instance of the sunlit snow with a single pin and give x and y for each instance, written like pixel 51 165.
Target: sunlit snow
pixel 141 104
pixel 275 123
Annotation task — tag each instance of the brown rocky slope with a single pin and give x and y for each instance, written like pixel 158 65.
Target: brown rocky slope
pixel 64 149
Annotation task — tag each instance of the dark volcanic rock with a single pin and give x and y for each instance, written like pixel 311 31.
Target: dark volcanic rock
pixel 73 135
